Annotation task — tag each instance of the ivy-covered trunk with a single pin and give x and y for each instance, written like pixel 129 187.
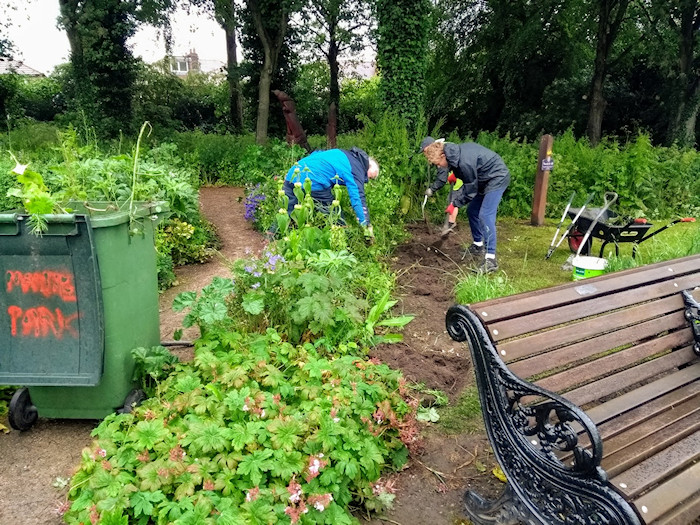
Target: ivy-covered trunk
pixel 401 55
pixel 103 68
pixel 228 21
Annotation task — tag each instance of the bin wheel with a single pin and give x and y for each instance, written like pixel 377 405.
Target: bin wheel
pixel 22 414
pixel 133 399
pixel 575 237
pixel 696 349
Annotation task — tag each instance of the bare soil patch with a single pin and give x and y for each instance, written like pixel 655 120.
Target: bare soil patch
pixel 428 491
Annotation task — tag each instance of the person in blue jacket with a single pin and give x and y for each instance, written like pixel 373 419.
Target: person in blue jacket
pixel 485 178
pixel 350 168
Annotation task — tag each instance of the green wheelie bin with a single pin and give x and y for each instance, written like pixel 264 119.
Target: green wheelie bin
pixel 74 302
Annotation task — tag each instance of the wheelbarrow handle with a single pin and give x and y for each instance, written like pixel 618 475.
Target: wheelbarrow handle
pixel 688 219
pixel 609 198
pixel 639 221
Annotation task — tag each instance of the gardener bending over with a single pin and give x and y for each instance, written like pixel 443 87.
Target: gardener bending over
pixel 485 178
pixel 350 168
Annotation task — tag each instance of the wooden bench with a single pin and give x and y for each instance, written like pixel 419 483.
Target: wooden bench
pixel 604 426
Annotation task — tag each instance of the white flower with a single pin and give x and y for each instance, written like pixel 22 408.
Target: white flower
pixel 19 168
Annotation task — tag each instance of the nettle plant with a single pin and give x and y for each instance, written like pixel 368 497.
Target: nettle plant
pixel 254 431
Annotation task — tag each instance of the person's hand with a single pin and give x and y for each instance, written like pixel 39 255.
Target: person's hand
pixel 452 211
pixel 428 192
pixel 451 178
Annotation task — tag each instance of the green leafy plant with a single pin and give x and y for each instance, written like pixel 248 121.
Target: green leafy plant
pixel 253 430
pixel 36 198
pixel 152 365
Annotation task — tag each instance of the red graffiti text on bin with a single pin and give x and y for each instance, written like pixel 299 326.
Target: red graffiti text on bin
pixel 40 322
pixel 46 283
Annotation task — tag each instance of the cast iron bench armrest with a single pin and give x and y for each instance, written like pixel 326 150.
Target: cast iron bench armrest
pixel 540 489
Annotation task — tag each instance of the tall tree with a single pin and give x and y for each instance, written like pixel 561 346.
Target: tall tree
pixel 611 14
pixel 103 67
pixel 333 28
pixel 402 47
pixel 685 22
pixel 226 13
pixel 271 21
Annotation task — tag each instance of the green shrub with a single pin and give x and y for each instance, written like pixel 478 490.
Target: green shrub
pixel 235 159
pixel 254 430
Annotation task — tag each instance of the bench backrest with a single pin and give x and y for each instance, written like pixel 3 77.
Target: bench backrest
pixel 591 339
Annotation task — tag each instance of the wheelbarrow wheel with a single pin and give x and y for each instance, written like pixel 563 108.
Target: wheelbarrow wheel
pixel 575 238
pixel 22 413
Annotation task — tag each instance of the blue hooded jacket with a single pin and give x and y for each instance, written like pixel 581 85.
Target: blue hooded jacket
pixel 336 166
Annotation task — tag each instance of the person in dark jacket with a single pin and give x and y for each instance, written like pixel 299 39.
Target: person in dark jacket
pixel 350 168
pixel 485 178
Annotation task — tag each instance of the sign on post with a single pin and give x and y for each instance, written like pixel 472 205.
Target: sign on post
pixel 545 164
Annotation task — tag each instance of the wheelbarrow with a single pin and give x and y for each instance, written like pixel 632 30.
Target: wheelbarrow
pixel 611 228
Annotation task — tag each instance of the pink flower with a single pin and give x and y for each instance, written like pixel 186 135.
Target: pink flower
pixel 62 507
pixel 295 513
pixel 316 463
pixel 295 492
pixel 321 501
pixel 252 494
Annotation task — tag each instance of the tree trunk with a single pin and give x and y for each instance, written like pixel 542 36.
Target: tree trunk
pixel 264 99
pixel 610 16
pixel 334 71
pixel 687 86
pixel 332 127
pixel 271 48
pixel 233 77
pixel 68 9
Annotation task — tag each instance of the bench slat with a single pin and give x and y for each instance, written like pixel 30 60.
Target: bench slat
pixel 689 394
pixel 596 345
pixel 540 320
pixel 644 420
pixel 557 296
pixel 661 500
pixel 616 382
pixel 644 442
pixel 642 476
pixel 590 371
pixel 641 397
pixel 538 343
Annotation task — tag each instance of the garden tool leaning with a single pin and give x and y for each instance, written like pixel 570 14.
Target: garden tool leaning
pixel 571 226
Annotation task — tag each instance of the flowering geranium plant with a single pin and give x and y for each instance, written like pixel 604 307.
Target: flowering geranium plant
pixel 254 430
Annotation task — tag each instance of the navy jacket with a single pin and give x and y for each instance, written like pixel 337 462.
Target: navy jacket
pixel 480 169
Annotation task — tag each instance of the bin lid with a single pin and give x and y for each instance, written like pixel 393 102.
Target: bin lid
pixel 51 312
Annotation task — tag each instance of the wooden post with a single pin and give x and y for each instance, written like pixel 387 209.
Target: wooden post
pixel 544 166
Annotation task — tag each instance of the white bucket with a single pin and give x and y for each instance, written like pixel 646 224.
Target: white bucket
pixel 585 266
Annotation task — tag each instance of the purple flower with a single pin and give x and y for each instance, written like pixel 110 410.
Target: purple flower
pixel 256 285
pixel 251 202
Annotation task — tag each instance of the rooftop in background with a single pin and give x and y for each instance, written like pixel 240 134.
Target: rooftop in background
pixel 15 66
pixel 191 63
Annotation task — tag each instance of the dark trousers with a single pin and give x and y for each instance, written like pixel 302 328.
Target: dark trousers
pixel 482 218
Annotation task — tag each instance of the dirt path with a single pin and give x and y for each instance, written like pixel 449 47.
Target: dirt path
pixel 429 491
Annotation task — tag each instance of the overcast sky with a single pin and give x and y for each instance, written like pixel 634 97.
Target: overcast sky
pixel 42 46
